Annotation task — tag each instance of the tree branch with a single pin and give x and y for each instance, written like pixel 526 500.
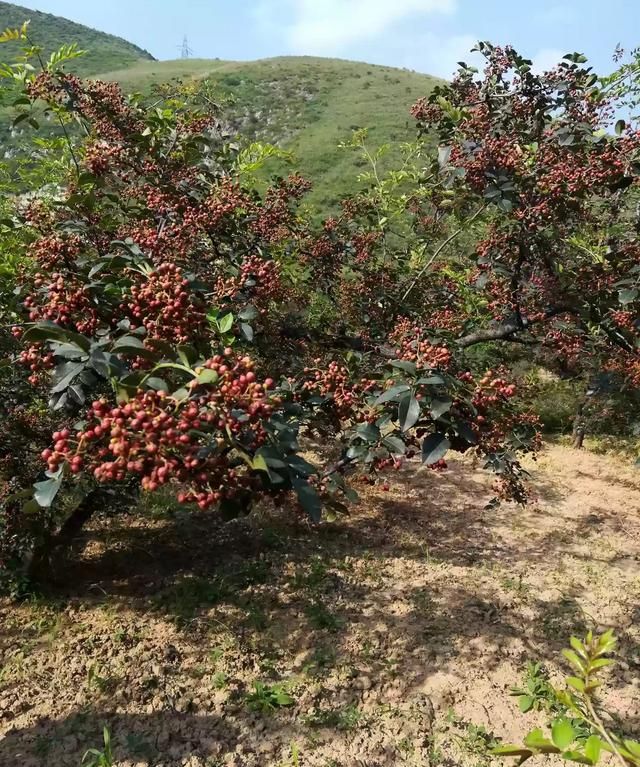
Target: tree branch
pixel 507 329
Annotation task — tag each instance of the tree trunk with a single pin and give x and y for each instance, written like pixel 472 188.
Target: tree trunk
pixel 39 569
pixel 579 427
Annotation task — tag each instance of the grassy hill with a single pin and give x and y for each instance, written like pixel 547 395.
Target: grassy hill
pixel 104 51
pixel 305 104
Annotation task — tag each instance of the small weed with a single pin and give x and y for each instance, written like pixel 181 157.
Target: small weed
pixel 564 618
pixel 268 697
pixel 257 618
pixel 521 588
pixel 391 666
pixel 430 560
pixel 220 680
pixel 98 681
pixel 100 757
pixel 322 618
pixel 536 693
pixel 186 597
pixel 42 747
pixel 422 600
pixel 219 651
pixel 139 747
pixel 406 747
pixel 346 718
pixel 474 740
pixel 255 572
pixel 372 567
pixel 311 576
pixel 436 756
pixel 294 756
pixel 323 658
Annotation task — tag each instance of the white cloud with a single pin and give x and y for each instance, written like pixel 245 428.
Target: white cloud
pixel 546 59
pixel 327 26
pixel 440 55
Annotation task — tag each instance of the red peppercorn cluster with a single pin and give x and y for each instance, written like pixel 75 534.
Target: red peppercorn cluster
pixel 165 306
pixel 37 361
pixel 258 283
pixel 190 442
pixel 625 319
pixel 65 301
pixel 335 380
pixel 55 252
pixel 276 217
pixel 412 346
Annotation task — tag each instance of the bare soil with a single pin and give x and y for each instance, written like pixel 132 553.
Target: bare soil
pixel 396 633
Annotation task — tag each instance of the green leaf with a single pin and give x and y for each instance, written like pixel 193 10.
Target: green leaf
pixel 592 748
pixel 159 384
pixel 283 698
pixel 65 374
pixel 439 407
pixel 536 739
pixel 465 431
pixel 408 412
pixel 510 749
pixel 525 702
pixel 180 395
pixel 226 323
pixel 69 351
pixel 259 463
pixel 308 497
pixel 620 126
pixel 132 345
pixel 408 367
pixel 247 331
pixel 578 647
pixel 576 661
pixel 248 313
pixel 576 683
pixel 434 447
pixel 600 663
pixel 128 343
pixel 434 380
pixel 207 376
pixel 633 747
pixel 395 445
pixel 575 756
pixel 562 733
pixel 46 491
pixel 49 331
pixel 392 394
pixel 368 432
pixel 627 296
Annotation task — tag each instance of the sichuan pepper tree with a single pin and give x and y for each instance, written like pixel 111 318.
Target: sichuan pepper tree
pixel 156 307
pixel 541 162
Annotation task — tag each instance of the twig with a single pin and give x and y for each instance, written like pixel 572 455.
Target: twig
pixel 439 250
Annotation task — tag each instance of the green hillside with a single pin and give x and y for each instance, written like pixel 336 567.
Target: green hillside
pixel 305 104
pixel 103 51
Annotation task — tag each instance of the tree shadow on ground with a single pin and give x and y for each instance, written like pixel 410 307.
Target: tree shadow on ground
pixel 419 582
pixel 139 738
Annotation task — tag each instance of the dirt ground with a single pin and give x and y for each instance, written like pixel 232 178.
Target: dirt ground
pixel 391 637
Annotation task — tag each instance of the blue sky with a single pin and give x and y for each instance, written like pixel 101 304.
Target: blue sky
pixel 425 35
